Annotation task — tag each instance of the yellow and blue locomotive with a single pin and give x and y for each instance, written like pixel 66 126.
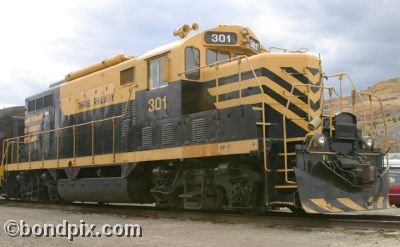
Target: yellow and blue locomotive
pixel 210 121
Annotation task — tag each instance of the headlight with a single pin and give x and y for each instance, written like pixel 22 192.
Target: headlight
pixel 319 140
pixel 367 142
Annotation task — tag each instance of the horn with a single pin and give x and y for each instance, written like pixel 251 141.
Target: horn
pixel 195 26
pixel 186 28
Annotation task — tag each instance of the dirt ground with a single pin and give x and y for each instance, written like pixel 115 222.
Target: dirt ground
pixel 167 232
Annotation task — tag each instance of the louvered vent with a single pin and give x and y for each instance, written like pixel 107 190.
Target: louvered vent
pixel 199 130
pixel 147 137
pixel 125 127
pixel 133 113
pixel 168 135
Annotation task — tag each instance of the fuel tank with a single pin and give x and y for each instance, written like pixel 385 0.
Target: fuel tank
pixel 112 189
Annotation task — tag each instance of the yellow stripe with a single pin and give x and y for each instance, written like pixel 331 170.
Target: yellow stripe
pixel 193 151
pixel 299 85
pixel 350 204
pixel 380 202
pixel 371 202
pixel 258 98
pixel 325 205
pixel 234 87
pixel 313 78
pixel 309 210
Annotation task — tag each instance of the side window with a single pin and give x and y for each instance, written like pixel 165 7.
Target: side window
pixel 127 76
pixel 48 100
pixel 31 106
pixel 39 103
pixel 192 63
pixel 222 56
pixel 211 56
pixel 215 55
pixel 155 73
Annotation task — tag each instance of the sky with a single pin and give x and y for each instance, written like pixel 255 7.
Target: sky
pixel 41 41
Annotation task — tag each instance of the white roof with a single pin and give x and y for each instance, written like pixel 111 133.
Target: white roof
pixel 162 49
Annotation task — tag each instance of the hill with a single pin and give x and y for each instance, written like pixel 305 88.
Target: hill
pixel 389 93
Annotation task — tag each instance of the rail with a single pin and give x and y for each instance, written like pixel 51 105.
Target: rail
pixel 28 138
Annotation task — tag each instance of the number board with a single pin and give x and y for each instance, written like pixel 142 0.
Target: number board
pixel 220 38
pixel 254 44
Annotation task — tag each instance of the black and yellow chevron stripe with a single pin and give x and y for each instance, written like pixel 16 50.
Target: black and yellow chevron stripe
pixel 277 87
pixel 343 204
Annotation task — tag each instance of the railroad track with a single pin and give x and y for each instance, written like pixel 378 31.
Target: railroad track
pixel 378 223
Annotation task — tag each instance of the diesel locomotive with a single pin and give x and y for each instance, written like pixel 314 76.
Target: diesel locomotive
pixel 213 120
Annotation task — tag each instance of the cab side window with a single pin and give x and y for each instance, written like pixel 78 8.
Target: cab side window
pixel 192 63
pixel 216 55
pixel 155 72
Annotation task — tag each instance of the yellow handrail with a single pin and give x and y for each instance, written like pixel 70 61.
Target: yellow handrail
pixel 57 130
pixel 371 95
pixel 239 59
pixel 266 168
pixel 331 90
pixel 284 118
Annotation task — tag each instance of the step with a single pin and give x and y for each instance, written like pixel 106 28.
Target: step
pixel 292 186
pixel 288 154
pixel 257 108
pixel 295 139
pixel 191 194
pixel 266 124
pixel 283 170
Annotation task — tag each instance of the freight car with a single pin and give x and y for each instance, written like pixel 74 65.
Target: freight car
pixel 211 121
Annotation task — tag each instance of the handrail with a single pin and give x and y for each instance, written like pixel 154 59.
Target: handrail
pixel 239 60
pixel 57 130
pixel 266 168
pixel 340 76
pixel 331 90
pixel 216 63
pixel 5 152
pixel 370 95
